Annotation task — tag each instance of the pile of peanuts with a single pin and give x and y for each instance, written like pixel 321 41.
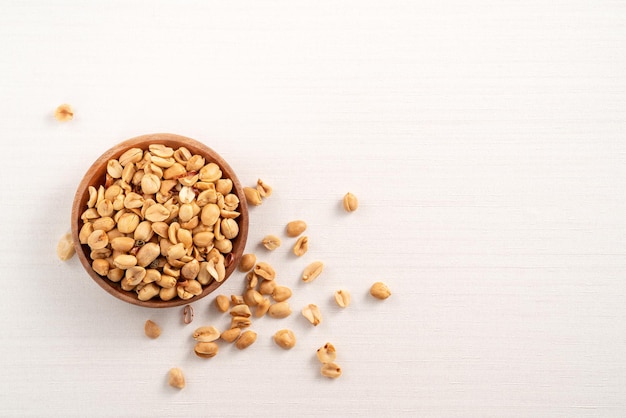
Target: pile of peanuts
pixel 162 224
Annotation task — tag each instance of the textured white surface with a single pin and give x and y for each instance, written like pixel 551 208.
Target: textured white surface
pixel 484 139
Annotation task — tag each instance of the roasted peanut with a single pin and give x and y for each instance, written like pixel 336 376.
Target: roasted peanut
pixel 380 290
pixel 342 297
pixel 64 113
pixel 206 334
pixel 326 353
pixel 285 338
pixel 295 228
pixel 312 271
pixel 279 310
pixel 176 378
pixel 206 349
pixel 281 293
pixel 246 339
pixel 331 370
pixel 312 313
pixel 231 334
pixel 65 247
pixel 350 202
pixel 151 329
pixel 247 262
pixel 301 246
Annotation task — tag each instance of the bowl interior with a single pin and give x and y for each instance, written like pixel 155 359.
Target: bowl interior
pixel 95 176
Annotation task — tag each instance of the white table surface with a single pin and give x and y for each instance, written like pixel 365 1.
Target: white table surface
pixel 485 140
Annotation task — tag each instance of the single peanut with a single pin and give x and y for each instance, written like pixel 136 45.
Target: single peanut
pixel 271 242
pixel 281 293
pixel 279 310
pixel 350 202
pixel 246 339
pixel 247 262
pixel 64 113
pixel 65 247
pixel 295 228
pixel 312 271
pixel 222 302
pixel 151 329
pixel 331 370
pixel 206 334
pixel 253 196
pixel 380 290
pixel 176 378
pixel 301 246
pixel 326 353
pixel 263 188
pixel 285 338
pixel 231 335
pixel 312 313
pixel 206 350
pixel 342 297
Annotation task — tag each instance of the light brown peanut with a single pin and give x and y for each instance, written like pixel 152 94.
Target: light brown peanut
pixel 285 338
pixel 271 242
pixel 176 378
pixel 380 290
pixel 264 189
pixel 301 246
pixel 312 313
pixel 331 370
pixel 152 329
pixel 247 262
pixel 281 293
pixel 65 247
pixel 295 228
pixel 350 202
pixel 253 197
pixel 231 334
pixel 279 310
pixel 206 349
pixel 246 339
pixel 342 298
pixel 206 334
pixel 64 113
pixel 312 271
pixel 326 353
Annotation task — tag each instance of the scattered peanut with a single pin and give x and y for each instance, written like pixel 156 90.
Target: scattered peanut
pixel 65 247
pixel 222 302
pixel 380 290
pixel 247 262
pixel 301 246
pixel 312 271
pixel 206 334
pixel 262 308
pixel 279 310
pixel 312 313
pixel 295 228
pixel 206 349
pixel 350 202
pixel 176 378
pixel 342 297
pixel 271 242
pixel 64 113
pixel 253 196
pixel 285 338
pixel 151 329
pixel 326 353
pixel 331 370
pixel 231 335
pixel 246 339
pixel 263 188
pixel 281 293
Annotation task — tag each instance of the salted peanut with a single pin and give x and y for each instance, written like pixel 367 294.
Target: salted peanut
pixel 135 275
pixel 252 280
pixel 224 186
pixel 84 232
pixel 253 197
pixel 312 313
pixel 271 242
pixel 247 262
pixel 342 298
pixel 127 222
pixel 240 322
pixel 114 169
pixel 262 307
pixel 152 275
pixel 152 329
pixel 148 291
pixel 65 247
pixel 241 310
pixel 101 266
pixel 93 196
pixel 125 261
pixel 231 335
pixel 279 310
pixel 174 171
pixel 190 270
pixel 264 189
pixel 192 286
pixel 229 228
pixel 132 155
pixel 326 353
pixel 176 378
pixel 167 294
pixel 281 293
pixel 206 334
pixel 312 271
pixel 157 213
pixel 222 302
pixel 147 254
pixel 331 370
pixel 206 349
pixel 285 338
pixel 224 246
pixel 380 290
pixel 350 202
pixel 186 194
pixel 105 209
pixel 98 240
pixel 301 246
pixel 266 287
pixel 246 339
pixel 143 232
pixel 295 228
pixel 161 150
pixel 64 113
pixel 122 244
pixel 115 274
pixel 210 214
pixel 203 239
pixel 166 281
pixel 133 200
pixel 264 270
pixel 150 183
pixel 252 297
pixel 237 300
pixel 106 223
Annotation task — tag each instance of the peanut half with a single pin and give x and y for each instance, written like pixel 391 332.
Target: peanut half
pixel 380 290
pixel 271 242
pixel 350 202
pixel 246 339
pixel 65 247
pixel 312 313
pixel 295 228
pixel 151 329
pixel 285 338
pixel 312 271
pixel 342 297
pixel 176 378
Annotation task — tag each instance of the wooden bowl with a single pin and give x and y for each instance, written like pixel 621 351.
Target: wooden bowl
pixel 95 176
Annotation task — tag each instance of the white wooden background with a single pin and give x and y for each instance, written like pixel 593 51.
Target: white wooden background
pixel 485 140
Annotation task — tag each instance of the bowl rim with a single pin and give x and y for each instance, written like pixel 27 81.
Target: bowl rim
pixel 142 141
